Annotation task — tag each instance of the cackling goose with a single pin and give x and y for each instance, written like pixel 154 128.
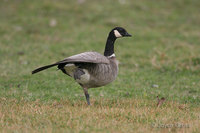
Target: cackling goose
pixel 92 69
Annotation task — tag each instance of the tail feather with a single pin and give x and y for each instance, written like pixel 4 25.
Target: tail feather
pixel 43 68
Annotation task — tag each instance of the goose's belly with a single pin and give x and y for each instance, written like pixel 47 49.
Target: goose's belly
pixel 81 76
pixel 101 75
pixel 93 75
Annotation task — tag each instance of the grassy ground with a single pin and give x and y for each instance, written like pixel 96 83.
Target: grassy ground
pixel 161 59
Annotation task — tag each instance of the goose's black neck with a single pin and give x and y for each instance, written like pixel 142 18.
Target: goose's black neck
pixel 109 49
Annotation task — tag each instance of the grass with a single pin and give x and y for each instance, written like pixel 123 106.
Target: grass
pixel 161 59
pixel 107 116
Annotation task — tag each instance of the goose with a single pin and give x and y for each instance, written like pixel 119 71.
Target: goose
pixel 92 69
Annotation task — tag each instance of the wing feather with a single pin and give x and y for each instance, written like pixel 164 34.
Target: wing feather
pixel 89 57
pixel 86 57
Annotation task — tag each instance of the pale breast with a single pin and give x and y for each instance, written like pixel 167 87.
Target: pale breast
pixel 102 74
pixel 93 75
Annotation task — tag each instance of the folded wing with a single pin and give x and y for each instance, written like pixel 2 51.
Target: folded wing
pixel 86 57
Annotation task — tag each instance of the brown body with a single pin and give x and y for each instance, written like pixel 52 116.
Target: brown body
pixel 92 69
pixel 100 74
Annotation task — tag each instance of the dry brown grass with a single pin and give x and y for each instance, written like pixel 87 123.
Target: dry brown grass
pixel 125 115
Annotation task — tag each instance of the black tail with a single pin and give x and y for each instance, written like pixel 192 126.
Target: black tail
pixel 43 68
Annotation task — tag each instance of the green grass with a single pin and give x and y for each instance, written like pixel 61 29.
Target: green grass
pixel 164 51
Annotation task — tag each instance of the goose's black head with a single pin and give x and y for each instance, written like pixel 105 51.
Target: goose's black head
pixel 120 32
pixel 115 33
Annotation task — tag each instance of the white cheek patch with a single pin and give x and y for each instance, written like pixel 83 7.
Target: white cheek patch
pixel 117 34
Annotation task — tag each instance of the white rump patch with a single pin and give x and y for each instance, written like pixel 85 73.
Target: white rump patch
pixel 70 68
pixel 117 34
pixel 85 78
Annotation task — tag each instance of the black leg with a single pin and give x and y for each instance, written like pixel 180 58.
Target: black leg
pixel 87 95
pixel 87 98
